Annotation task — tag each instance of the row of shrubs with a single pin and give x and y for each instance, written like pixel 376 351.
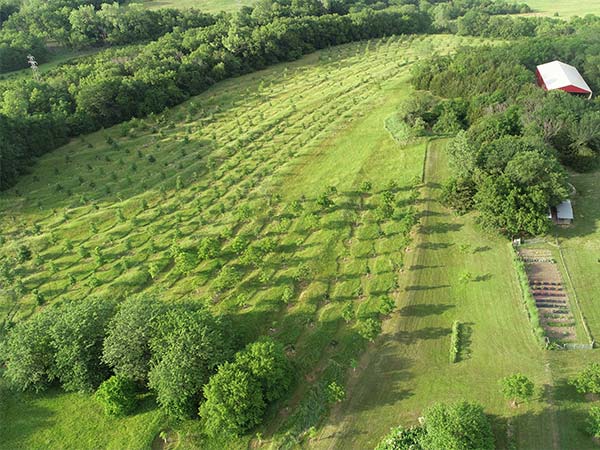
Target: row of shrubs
pixel 528 300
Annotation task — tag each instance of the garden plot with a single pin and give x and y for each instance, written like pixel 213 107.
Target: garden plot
pixel 550 295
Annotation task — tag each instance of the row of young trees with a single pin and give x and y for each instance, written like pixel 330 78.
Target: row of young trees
pixel 512 138
pixel 37 116
pixel 181 352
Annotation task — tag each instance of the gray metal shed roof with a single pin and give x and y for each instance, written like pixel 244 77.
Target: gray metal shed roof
pixel 565 210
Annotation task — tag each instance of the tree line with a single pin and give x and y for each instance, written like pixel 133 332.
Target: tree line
pixel 512 139
pixel 181 352
pixel 83 24
pixel 38 115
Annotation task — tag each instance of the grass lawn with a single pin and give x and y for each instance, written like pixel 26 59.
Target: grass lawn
pixel 565 8
pixel 407 369
pixel 203 5
pixel 103 210
pixel 580 244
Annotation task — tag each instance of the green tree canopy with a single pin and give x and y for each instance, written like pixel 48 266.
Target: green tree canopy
pixel 126 348
pixel 459 426
pixel 234 401
pixel 188 346
pixel 588 380
pixel 517 388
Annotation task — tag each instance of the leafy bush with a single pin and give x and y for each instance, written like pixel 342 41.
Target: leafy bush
pixel 588 380
pixel 369 328
pixel 456 427
pixel 237 395
pixel 593 421
pixel 517 387
pixel 455 341
pixel 117 396
pixel 401 438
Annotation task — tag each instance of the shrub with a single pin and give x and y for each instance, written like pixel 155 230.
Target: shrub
pixel 126 348
pixel 517 387
pixel 237 395
pixel 455 341
pixel 593 421
pixel 23 254
pixel 455 427
pixel 117 396
pixel 369 328
pixel 77 337
pixel 234 401
pixel 588 380
pixel 28 353
pixel 335 392
pixel 400 438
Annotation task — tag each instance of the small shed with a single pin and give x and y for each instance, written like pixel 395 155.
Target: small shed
pixel 562 214
pixel 558 75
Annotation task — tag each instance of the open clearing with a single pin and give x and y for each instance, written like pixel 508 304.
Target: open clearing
pixel 210 6
pixel 565 8
pixel 100 211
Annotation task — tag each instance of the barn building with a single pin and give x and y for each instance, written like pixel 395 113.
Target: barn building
pixel 562 214
pixel 558 75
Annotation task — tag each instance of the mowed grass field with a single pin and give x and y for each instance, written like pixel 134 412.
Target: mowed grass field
pixel 580 244
pixel 565 8
pixel 247 158
pixel 408 368
pixel 211 6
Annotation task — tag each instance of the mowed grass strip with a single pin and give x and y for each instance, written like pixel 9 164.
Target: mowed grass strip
pixel 407 369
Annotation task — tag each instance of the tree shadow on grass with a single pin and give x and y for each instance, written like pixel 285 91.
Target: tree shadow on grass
pixel 22 417
pixel 441 227
pixel 425 310
pixel 428 333
pixel 425 288
pixel 466 335
pixel 422 266
pixel 485 277
pixel 434 245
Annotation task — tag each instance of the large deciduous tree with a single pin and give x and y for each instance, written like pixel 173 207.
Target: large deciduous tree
pixel 188 346
pixel 457 427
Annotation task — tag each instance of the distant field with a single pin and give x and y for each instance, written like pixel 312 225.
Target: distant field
pixel 204 5
pixel 565 7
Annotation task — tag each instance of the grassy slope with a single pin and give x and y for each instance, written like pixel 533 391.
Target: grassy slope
pixel 204 5
pixel 407 369
pixel 306 125
pixel 565 7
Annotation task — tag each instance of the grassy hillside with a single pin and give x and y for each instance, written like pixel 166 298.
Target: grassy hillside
pixel 407 369
pixel 565 7
pixel 246 159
